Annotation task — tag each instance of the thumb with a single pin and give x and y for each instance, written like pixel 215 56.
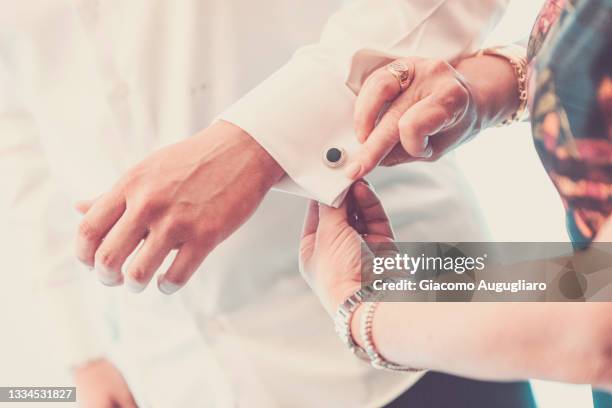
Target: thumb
pixel 311 221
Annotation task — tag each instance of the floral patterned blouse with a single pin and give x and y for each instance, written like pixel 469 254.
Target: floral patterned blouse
pixel 570 101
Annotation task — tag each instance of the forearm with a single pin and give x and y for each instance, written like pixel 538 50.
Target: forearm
pixel 497 341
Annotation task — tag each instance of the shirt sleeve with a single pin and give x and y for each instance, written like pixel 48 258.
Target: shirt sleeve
pixel 306 107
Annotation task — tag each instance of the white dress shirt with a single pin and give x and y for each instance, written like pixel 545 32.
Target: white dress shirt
pixel 94 86
pixel 310 92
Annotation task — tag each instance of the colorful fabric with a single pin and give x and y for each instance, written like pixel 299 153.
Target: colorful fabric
pixel 570 101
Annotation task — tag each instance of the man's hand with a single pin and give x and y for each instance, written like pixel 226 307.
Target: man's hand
pixel 100 385
pixel 188 196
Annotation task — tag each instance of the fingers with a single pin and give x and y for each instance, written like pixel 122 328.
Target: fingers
pixel 312 219
pixel 371 210
pixel 396 156
pixel 421 120
pixel 146 262
pixel 331 218
pixel 378 144
pixel 84 205
pixel 411 124
pixel 378 139
pixel 380 87
pixel 187 260
pixel 118 244
pixel 95 225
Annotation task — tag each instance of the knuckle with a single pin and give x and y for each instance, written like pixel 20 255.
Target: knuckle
pixel 388 87
pixel 209 234
pixel 438 66
pixel 106 259
pixel 87 231
pixel 145 207
pixel 452 101
pixel 177 228
pixel 139 274
pixel 384 83
pixel 149 200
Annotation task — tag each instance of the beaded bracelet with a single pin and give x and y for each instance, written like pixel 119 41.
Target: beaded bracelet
pixel 376 359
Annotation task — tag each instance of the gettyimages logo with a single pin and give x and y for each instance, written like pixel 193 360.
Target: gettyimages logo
pixel 447 259
pixel 461 272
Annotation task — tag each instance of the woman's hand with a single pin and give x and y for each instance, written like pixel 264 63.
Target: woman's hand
pixel 330 249
pixel 442 107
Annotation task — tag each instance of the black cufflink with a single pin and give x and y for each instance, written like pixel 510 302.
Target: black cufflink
pixel 334 157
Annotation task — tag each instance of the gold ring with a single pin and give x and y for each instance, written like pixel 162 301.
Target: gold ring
pixel 402 72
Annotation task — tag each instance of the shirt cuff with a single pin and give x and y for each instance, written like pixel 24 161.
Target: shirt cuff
pixel 299 114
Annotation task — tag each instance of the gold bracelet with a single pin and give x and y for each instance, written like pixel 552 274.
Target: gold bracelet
pixel 517 57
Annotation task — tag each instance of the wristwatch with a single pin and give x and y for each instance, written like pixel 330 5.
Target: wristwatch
pixel 344 316
pixel 342 322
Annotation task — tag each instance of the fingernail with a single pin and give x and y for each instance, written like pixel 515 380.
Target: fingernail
pixel 89 265
pixel 167 288
pixel 428 152
pixel 109 278
pixel 134 286
pixel 352 170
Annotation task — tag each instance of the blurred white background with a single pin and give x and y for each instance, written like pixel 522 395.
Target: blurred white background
pixel 516 196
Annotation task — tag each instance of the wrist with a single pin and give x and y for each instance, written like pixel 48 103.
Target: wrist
pixel 492 83
pixel 356 326
pixel 266 166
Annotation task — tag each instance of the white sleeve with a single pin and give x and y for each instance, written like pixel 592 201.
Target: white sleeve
pixel 35 217
pixel 306 107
